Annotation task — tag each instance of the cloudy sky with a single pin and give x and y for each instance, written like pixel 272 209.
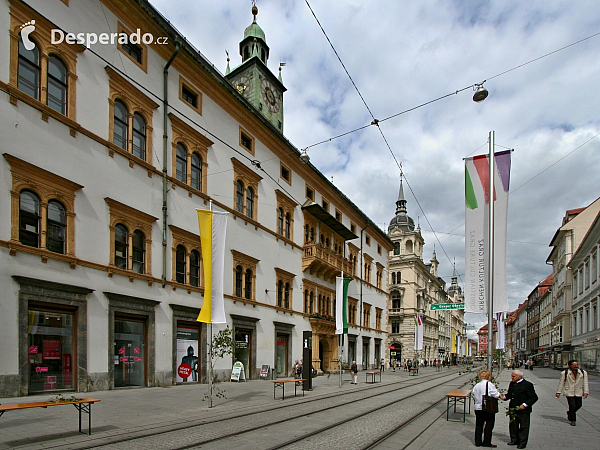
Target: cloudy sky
pixel 403 54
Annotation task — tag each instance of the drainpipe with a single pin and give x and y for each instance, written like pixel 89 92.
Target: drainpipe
pixel 165 144
pixel 362 268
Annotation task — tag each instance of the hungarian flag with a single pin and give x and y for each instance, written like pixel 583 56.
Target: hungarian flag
pixel 477 206
pixel 213 227
pixel 418 332
pixel 341 305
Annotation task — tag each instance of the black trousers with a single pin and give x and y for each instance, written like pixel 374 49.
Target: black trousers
pixel 484 423
pixel 519 428
pixel 574 404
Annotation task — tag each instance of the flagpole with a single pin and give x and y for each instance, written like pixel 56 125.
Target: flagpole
pixel 210 367
pixel 342 335
pixel 490 280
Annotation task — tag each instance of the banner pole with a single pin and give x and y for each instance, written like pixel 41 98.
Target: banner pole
pixel 210 366
pixel 490 280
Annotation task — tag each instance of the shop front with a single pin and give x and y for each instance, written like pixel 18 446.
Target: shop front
pixel 283 358
pixel 396 353
pixel 244 336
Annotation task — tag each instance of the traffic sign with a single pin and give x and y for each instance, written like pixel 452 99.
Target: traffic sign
pixel 446 306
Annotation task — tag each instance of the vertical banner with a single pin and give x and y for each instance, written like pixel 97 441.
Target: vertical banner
pixel 453 349
pixel 477 198
pixel 500 342
pixel 213 227
pixel 341 305
pixel 418 332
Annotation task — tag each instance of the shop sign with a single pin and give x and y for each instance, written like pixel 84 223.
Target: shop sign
pixel 184 371
pixel 264 371
pixel 41 369
pixel 51 349
pixel 237 374
pixel 33 350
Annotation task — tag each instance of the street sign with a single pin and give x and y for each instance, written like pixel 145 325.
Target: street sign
pixel 446 306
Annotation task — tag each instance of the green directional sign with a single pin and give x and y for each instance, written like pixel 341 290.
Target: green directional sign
pixel 445 306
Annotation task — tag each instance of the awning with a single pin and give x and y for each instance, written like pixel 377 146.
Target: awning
pixel 321 214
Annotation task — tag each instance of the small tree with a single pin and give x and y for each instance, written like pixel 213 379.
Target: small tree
pixel 221 345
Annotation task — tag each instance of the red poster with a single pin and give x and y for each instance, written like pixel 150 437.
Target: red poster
pixel 51 349
pixel 67 368
pixel 184 370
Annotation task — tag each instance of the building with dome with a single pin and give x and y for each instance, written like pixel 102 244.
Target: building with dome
pixel 414 286
pixel 109 152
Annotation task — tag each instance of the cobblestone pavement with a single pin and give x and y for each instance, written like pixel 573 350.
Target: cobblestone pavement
pixel 136 412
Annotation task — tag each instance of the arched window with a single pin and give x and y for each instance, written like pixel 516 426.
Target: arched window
pixel 393 277
pixel 280 293
pixel 322 240
pixel 195 268
pixel 57 85
pixel 29 219
pixel 396 248
pixel 239 275
pixel 181 163
pixel 180 255
pixel 246 53
pixel 396 300
pixel 28 78
pixel 409 247
pixel 196 171
pixel 286 302
pixel 56 227
pixel 121 125
pixel 306 300
pixel 263 55
pixel 312 234
pixel 280 221
pixel 398 279
pixel 138 244
pixel 250 202
pixel 288 224
pixel 306 232
pixel 248 284
pixel 121 246
pixel 311 303
pixel 239 196
pixel 139 136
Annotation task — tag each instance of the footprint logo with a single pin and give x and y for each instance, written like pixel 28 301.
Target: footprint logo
pixel 26 30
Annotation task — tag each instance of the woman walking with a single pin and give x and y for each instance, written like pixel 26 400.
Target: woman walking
pixel 484 421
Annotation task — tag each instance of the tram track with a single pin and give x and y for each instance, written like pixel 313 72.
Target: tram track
pixel 225 432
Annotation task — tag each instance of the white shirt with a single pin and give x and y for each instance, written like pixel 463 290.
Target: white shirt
pixel 479 391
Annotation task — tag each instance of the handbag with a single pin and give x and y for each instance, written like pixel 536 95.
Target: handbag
pixel 489 404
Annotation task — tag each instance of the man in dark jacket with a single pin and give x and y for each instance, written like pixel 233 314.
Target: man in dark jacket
pixel 522 396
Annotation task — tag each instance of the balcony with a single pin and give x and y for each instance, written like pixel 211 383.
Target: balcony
pixel 321 261
pixel 396 312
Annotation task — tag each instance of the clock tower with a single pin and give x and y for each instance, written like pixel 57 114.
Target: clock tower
pixel 253 79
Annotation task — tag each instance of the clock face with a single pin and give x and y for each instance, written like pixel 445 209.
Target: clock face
pixel 243 85
pixel 270 96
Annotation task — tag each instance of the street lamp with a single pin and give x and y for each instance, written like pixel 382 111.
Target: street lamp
pixel 481 93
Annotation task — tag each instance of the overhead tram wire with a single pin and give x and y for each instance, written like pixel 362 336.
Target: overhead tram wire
pixel 455 92
pixel 376 123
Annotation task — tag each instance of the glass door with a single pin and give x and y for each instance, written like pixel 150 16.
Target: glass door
pixel 243 339
pixel 129 353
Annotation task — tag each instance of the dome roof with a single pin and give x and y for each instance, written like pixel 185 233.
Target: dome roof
pixel 254 30
pixel 402 221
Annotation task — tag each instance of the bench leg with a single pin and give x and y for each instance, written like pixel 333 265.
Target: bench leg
pixel 86 408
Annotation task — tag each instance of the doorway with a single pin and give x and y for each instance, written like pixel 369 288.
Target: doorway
pixel 129 353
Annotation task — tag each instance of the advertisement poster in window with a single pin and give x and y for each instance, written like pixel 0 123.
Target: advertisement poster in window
pixel 51 349
pixel 187 355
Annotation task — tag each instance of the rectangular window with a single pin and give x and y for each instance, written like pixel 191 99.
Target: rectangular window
pixel 51 351
pixel 137 53
pixel 395 327
pixel 133 50
pixel 286 174
pixel 310 193
pixel 246 141
pixel 338 216
pixel 379 249
pixel 325 205
pixel 368 240
pixel 189 96
pixel 352 228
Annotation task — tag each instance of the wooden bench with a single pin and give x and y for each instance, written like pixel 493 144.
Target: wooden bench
pixel 460 396
pixel 83 404
pixel 413 371
pixel 282 383
pixel 372 375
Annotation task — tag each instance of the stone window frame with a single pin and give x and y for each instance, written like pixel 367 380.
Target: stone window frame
pixel 121 28
pixel 249 178
pixel 20 13
pixel 247 263
pixel 136 102
pixel 133 220
pixel 189 241
pixel 309 190
pixel 327 304
pixel 47 186
pixel 285 277
pixel 367 240
pixel 367 272
pixel 282 170
pixel 309 288
pixel 288 206
pixel 247 135
pixel 353 252
pixel 194 142
pixel 352 310
pixel 310 228
pixel 52 294
pixel 325 204
pixel 190 87
pixel 378 316
pixel 338 215
pixel 366 313
pixel 379 275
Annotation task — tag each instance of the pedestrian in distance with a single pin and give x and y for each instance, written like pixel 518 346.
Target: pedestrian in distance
pixel 382 365
pixel 354 372
pixel 297 372
pixel 574 383
pixel 484 420
pixel 522 396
